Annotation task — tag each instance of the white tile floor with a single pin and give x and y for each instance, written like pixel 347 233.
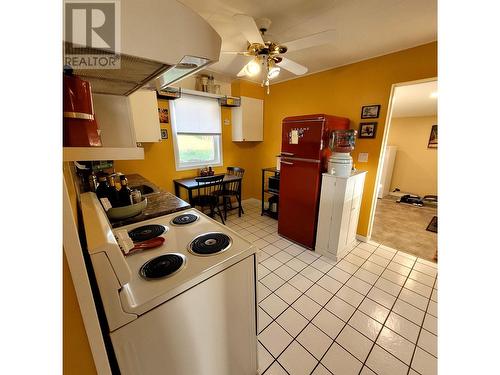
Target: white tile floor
pixel 372 312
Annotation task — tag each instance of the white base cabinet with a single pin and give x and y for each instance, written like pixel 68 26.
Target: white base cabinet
pixel 339 213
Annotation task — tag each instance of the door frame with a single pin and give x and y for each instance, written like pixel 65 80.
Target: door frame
pixel 385 137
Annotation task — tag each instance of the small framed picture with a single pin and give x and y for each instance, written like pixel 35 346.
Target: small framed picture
pixel 164 133
pixel 163 113
pixel 367 130
pixel 433 138
pixel 370 111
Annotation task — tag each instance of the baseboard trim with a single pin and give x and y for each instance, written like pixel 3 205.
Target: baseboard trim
pixel 248 200
pixel 362 238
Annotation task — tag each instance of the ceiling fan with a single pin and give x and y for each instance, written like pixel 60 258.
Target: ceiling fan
pixel 268 54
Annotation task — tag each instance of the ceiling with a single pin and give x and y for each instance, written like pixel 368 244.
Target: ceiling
pixel 364 29
pixel 415 100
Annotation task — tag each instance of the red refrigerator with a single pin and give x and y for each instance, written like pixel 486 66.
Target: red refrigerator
pixel 304 156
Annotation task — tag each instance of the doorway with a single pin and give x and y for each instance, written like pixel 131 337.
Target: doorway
pixel 404 215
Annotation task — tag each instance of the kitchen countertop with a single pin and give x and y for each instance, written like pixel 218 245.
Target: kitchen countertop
pixel 159 202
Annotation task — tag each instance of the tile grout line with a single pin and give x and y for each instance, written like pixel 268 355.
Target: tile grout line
pixel 383 325
pixel 420 331
pixel 275 359
pixel 415 261
pixel 379 276
pixel 356 309
pixel 309 320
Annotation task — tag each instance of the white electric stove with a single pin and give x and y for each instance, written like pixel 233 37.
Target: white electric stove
pixel 186 307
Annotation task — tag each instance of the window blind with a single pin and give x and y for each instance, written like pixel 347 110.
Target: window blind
pixel 196 115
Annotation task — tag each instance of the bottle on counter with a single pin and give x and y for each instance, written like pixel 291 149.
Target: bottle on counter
pixel 112 192
pixel 93 182
pixel 118 177
pixel 125 193
pixel 102 188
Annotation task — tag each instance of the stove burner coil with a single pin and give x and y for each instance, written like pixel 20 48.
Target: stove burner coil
pixel 184 219
pixel 162 266
pixel 146 232
pixel 210 243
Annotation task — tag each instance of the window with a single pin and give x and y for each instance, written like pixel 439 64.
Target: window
pixel 196 128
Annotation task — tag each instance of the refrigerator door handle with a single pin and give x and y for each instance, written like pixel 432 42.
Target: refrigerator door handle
pixel 286 162
pixel 301 159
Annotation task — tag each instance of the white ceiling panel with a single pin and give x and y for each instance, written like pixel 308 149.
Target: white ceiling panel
pixel 363 28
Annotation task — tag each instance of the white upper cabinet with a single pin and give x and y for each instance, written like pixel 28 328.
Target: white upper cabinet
pixel 114 120
pixel 248 120
pixel 125 120
pixel 144 109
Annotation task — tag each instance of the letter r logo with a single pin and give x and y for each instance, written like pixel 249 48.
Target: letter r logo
pixel 91 24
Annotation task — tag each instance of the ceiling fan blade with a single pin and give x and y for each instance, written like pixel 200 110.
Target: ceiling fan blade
pixel 292 66
pixel 313 40
pixel 234 52
pixel 248 28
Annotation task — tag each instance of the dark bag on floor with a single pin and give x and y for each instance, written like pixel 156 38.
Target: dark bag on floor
pixel 411 199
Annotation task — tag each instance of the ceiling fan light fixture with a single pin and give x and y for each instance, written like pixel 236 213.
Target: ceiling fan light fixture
pixel 253 67
pixel 273 72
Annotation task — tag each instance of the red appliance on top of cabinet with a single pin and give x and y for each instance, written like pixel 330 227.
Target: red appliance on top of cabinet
pixel 79 123
pixel 304 156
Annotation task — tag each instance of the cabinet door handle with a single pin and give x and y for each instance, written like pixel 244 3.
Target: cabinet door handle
pixel 287 153
pixel 286 162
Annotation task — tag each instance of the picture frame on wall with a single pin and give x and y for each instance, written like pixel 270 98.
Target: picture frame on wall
pixel 370 111
pixel 433 137
pixel 163 114
pixel 367 130
pixel 164 133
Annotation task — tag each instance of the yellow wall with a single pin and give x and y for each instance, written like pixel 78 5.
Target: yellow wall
pixel 158 165
pixel 415 167
pixel 342 91
pixel 77 357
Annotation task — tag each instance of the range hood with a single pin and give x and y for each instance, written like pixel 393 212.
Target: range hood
pixel 162 42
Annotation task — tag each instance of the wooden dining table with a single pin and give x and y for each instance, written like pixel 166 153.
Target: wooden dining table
pixel 190 184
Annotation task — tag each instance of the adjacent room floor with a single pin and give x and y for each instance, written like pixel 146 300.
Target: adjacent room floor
pixel 403 226
pixel 373 312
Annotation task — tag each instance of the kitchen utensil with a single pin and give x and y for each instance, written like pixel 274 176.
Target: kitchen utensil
pixel 127 245
pixel 204 82
pixel 148 244
pixel 118 213
pixel 210 85
pixel 136 196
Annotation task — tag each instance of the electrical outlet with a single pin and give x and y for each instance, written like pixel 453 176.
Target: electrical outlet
pixel 363 157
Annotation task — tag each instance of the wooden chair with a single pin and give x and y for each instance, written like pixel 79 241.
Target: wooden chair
pixel 232 189
pixel 208 194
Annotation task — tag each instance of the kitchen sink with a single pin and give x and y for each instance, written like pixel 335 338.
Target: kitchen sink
pixel 144 189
